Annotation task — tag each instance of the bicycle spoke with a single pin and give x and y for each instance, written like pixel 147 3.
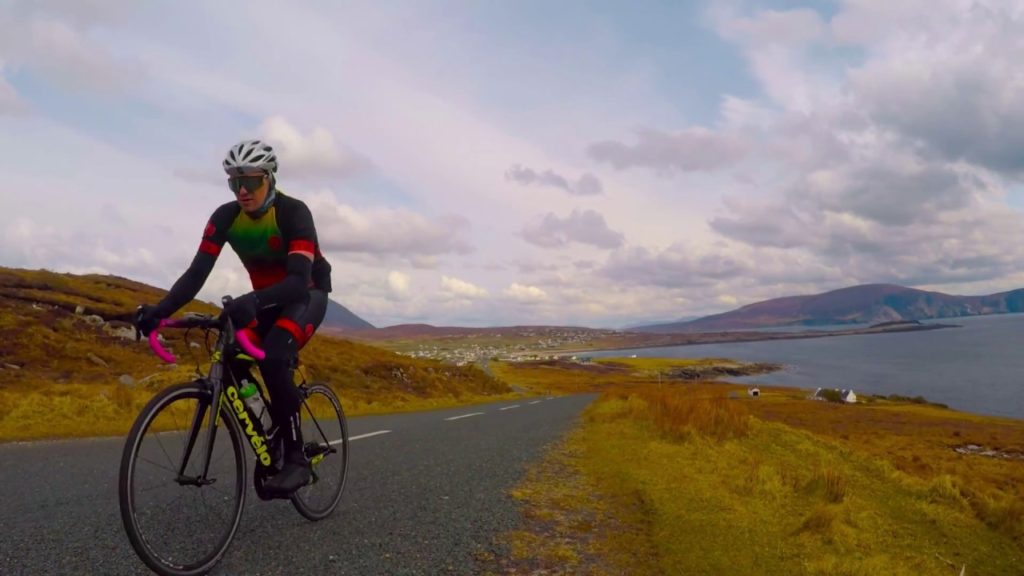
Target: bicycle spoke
pixel 206 507
pixel 160 466
pixel 160 443
pixel 316 501
pixel 154 487
pixel 182 525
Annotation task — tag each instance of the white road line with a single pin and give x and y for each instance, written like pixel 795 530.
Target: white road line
pixel 465 416
pixel 551 397
pixel 535 402
pixel 361 436
pixel 509 407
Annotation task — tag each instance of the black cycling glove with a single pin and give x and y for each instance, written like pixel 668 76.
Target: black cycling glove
pixel 147 318
pixel 243 309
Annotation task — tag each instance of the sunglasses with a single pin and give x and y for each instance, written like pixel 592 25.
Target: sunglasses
pixel 250 183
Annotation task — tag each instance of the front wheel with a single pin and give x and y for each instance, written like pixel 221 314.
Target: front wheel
pixel 325 431
pixel 179 519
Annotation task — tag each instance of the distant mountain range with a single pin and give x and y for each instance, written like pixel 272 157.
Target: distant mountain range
pixel 864 304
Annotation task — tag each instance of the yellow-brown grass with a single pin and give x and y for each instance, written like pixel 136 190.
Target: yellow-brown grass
pixel 677 412
pixel 59 373
pixel 802 487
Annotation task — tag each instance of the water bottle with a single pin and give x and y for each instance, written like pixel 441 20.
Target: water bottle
pixel 254 402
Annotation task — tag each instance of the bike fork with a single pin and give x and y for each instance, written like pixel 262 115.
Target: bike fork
pixel 193 435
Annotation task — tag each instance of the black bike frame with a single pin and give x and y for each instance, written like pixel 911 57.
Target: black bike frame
pixel 214 381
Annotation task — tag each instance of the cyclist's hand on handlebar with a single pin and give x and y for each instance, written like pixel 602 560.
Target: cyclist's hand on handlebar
pixel 243 309
pixel 147 318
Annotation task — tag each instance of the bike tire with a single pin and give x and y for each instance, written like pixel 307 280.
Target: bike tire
pixel 145 541
pixel 323 432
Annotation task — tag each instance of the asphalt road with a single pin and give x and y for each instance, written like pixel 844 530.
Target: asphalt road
pixel 423 498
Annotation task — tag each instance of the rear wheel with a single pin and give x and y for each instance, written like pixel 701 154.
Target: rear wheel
pixel 180 523
pixel 325 431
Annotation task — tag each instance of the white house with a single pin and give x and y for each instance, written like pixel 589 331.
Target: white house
pixel 847 396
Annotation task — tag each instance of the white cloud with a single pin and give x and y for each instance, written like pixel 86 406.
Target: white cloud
pixel 728 300
pixel 689 150
pixel 788 28
pixel 313 155
pixel 397 232
pixel 586 185
pixel 457 288
pixel 945 76
pixel 883 145
pixel 209 176
pixel 581 226
pixel 525 293
pixel 55 44
pixel 398 283
pixel 779 46
pixel 30 243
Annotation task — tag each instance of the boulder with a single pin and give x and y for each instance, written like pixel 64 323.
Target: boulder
pixel 94 320
pixel 120 332
pixel 126 380
pixel 79 310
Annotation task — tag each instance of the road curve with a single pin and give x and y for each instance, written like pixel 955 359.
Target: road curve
pixel 427 491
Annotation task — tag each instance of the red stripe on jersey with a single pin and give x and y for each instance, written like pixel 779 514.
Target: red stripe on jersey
pixel 266 276
pixel 292 329
pixel 211 248
pixel 303 246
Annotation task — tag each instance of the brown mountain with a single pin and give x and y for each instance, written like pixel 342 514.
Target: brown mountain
pixel 868 303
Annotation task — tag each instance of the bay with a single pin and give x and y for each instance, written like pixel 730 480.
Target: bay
pixel 976 367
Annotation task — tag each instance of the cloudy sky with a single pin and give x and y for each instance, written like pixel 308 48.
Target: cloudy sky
pixel 531 162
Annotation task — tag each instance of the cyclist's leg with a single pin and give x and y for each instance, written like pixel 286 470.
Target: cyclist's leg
pixel 290 331
pixel 310 317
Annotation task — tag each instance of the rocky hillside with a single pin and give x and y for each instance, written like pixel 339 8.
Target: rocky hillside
pixel 75 329
pixel 868 303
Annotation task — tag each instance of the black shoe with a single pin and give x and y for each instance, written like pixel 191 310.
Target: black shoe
pixel 295 474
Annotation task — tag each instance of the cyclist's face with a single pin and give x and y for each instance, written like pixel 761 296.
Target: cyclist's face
pixel 252 190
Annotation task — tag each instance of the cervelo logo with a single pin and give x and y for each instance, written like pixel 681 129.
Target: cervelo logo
pixel 258 444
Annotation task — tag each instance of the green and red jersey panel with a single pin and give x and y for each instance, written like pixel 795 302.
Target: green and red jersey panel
pixel 263 244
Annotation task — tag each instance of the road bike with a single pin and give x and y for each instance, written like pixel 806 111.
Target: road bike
pixel 184 474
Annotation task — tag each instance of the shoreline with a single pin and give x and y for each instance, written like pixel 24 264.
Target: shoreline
pixel 698 338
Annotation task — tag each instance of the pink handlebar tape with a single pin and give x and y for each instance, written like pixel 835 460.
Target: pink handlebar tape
pixel 163 354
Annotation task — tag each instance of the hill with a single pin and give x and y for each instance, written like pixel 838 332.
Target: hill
pixel 428 331
pixel 70 365
pixel 342 318
pixel 864 304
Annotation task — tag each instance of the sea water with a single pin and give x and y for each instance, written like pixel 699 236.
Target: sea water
pixel 976 367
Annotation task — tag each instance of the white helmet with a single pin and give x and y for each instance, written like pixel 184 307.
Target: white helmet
pixel 250 154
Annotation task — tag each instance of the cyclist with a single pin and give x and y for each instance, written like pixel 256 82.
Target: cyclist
pixel 274 237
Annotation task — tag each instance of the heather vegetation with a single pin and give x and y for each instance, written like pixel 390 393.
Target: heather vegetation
pixel 697 477
pixel 69 366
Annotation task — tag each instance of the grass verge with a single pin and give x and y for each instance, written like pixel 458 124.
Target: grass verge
pixel 777 485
